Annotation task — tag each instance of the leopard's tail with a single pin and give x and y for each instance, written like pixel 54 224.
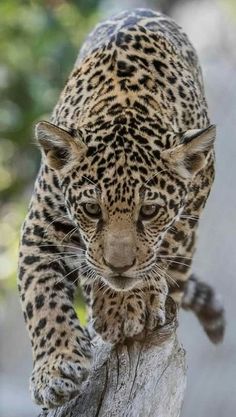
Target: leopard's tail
pixel 201 298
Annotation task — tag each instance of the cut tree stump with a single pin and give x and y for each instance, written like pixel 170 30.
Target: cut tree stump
pixel 141 378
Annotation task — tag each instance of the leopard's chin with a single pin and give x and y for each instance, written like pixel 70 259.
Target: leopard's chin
pixel 122 282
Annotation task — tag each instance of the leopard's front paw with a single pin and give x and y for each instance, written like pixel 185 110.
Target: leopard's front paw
pixel 143 311
pixel 58 379
pixel 118 316
pixel 155 310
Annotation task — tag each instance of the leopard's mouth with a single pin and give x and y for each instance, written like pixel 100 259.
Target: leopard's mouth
pixel 122 282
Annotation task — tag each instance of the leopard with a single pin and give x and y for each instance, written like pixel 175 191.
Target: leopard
pixel 127 166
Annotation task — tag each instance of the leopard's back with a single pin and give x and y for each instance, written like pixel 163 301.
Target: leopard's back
pixel 142 54
pixel 149 23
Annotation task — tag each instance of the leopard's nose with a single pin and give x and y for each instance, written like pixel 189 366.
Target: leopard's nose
pixel 120 269
pixel 119 252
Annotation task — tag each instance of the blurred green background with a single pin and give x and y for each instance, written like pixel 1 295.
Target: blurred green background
pixel 39 42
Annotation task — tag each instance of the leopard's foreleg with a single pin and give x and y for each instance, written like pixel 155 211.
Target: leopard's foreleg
pixel 47 281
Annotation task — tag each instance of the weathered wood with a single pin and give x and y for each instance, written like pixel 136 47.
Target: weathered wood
pixel 142 378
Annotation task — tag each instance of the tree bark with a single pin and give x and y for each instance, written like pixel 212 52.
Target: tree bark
pixel 141 378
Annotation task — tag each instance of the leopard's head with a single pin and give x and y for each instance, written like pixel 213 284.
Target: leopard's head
pixel 124 190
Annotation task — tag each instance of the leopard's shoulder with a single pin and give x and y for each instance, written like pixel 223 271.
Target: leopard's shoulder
pixel 137 56
pixel 142 23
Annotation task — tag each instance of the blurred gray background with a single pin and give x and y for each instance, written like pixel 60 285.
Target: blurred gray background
pixel 211 26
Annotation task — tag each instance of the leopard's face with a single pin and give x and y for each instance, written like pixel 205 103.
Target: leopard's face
pixel 123 209
pixel 124 188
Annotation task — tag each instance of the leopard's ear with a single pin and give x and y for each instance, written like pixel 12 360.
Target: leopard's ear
pixel 58 145
pixel 190 156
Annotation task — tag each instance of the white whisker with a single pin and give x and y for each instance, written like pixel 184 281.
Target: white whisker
pixel 62 257
pixel 173 256
pixel 63 246
pixel 155 175
pixel 70 233
pixel 55 220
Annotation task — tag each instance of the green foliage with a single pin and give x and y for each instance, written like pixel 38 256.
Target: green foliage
pixel 39 42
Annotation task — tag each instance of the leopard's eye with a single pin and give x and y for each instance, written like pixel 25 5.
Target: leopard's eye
pixel 148 211
pixel 92 210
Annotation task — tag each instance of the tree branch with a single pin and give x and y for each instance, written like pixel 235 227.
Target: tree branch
pixel 142 378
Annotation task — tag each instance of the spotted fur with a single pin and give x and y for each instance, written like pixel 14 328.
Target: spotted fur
pixel 127 166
